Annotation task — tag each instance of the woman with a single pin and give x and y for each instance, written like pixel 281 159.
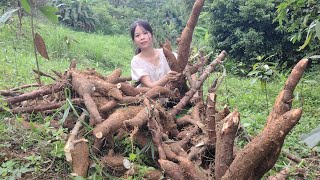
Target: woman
pixel 149 66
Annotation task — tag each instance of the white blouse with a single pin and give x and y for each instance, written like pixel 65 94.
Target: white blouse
pixel 141 67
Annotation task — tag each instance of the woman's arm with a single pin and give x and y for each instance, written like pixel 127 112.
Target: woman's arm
pixel 170 76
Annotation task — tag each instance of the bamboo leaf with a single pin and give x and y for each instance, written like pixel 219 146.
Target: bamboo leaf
pixel 26 6
pixel 41 46
pixel 318 29
pixel 306 42
pixel 50 13
pixel 4 18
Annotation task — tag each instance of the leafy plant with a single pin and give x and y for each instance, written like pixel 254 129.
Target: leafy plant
pixel 245 29
pixel 301 18
pixel 39 45
pixel 13 170
pixel 264 72
pixel 76 14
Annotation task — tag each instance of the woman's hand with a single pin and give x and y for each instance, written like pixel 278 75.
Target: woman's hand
pixel 173 76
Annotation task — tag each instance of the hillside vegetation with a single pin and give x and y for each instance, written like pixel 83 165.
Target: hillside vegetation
pixel 38 153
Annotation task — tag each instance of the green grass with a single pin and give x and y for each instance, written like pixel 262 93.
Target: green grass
pixel 105 53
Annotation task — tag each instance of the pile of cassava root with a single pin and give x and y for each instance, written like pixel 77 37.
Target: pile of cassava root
pixel 197 145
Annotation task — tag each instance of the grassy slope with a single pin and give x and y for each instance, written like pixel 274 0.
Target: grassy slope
pixel 106 53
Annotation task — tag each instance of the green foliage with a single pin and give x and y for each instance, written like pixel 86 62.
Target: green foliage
pixel 50 13
pixel 76 14
pixel 263 71
pixel 301 19
pixel 167 19
pixel 26 6
pixel 245 29
pixel 105 53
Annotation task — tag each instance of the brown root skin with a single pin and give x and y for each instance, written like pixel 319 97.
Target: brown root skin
pixel 185 140
pixel 153 175
pixel 97 144
pixel 108 106
pixel 169 153
pixel 85 89
pixel 115 93
pixel 197 111
pixel 142 138
pixel 158 92
pixel 196 151
pixel 191 171
pixel 40 73
pixel 186 119
pixel 127 89
pixel 282 175
pixel 167 122
pixel 186 99
pixel 186 36
pixel 107 89
pixel 24 87
pixel 81 84
pixel 178 150
pixel 210 119
pixel 142 90
pixel 44 107
pixel 115 121
pixel 60 75
pixel 114 163
pixel 80 159
pixel 112 78
pixel 92 108
pixel 122 79
pixel 283 104
pixel 254 153
pixel 73 64
pixel 10 93
pixel 91 72
pixel 171 169
pixel 129 100
pixel 156 132
pixel 167 45
pixel 226 133
pixel 58 86
pixel 172 60
pixel 284 100
pixel 139 120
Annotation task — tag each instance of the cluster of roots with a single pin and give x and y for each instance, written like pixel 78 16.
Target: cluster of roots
pixel 198 144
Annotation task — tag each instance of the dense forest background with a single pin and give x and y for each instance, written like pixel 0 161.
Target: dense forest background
pixel 252 31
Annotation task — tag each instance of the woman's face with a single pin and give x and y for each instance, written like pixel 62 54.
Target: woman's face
pixel 142 38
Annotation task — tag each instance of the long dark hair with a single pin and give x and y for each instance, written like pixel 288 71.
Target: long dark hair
pixel 142 23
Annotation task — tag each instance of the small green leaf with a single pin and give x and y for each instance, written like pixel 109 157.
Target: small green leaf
pixel 306 42
pixel 65 115
pixel 132 156
pixel 26 6
pixel 263 84
pixel 318 29
pixel 253 73
pixel 50 13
